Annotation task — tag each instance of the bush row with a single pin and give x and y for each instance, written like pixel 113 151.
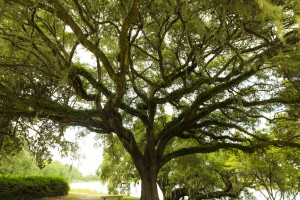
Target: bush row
pixel 32 187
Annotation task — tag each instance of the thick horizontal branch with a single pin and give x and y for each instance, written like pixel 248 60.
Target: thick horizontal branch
pixel 42 106
pixel 178 125
pixel 270 101
pixel 225 125
pixel 77 118
pixel 199 136
pixel 205 149
pixel 209 148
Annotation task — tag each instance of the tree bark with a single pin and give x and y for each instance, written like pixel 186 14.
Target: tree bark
pixel 4 129
pixel 149 173
pixel 149 185
pixel 147 167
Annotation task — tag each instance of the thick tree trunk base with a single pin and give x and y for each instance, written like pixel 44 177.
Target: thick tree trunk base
pixel 149 187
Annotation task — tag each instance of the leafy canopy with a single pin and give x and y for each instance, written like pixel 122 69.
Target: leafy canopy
pixel 217 66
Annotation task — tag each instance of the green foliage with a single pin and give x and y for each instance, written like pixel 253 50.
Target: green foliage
pixel 219 65
pixel 24 163
pixel 201 175
pixel 66 171
pixel 32 187
pixel 117 168
pixel 271 170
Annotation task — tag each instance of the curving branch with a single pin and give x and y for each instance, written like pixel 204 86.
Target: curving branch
pixel 208 148
pixel 83 18
pixel 63 15
pixel 124 54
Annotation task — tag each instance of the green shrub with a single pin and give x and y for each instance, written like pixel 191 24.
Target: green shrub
pixel 32 187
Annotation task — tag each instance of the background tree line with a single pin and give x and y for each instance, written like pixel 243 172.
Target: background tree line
pixel 23 162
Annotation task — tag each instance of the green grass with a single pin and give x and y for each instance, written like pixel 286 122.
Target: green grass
pixel 84 194
pixel 87 191
pixel 130 198
pixel 79 193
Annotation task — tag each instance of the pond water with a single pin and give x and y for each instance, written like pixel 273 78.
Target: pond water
pixel 94 186
pixel 100 187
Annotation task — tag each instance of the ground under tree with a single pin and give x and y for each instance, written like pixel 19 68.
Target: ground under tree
pixel 221 66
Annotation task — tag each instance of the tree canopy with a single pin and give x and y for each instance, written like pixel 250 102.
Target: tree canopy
pixel 206 72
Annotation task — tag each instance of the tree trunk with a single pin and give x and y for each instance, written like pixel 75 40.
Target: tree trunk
pixel 147 167
pixel 149 186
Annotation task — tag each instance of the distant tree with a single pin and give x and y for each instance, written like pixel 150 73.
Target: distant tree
pixel 67 171
pixel 10 143
pixel 117 168
pixel 91 177
pixel 20 163
pixel 218 65
pixel 24 163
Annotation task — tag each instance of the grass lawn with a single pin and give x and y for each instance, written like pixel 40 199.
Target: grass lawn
pixel 84 194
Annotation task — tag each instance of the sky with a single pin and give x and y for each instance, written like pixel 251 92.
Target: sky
pixel 91 155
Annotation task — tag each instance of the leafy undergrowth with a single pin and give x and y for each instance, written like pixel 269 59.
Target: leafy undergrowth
pixel 31 187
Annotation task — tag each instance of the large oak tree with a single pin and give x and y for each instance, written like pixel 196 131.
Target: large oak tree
pixel 217 67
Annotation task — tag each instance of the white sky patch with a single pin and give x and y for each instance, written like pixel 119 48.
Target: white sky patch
pixel 84 56
pixel 169 109
pixel 90 156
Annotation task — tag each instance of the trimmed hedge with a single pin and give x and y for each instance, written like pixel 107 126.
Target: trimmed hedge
pixel 32 187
